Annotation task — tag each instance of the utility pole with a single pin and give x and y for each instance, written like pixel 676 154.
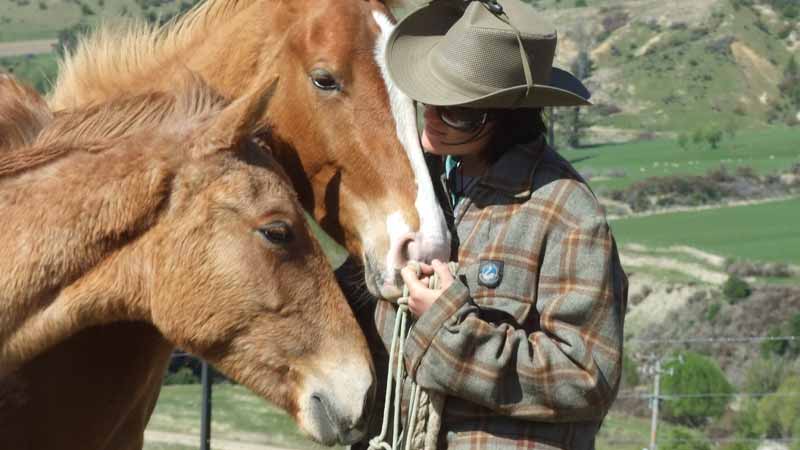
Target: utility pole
pixel 654 368
pixel 654 404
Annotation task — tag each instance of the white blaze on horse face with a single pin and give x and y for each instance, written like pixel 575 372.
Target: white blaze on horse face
pixel 433 239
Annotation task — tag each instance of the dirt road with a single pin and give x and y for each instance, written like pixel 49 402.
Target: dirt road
pixel 26 47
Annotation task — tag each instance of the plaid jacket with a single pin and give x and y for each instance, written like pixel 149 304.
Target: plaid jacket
pixel 535 361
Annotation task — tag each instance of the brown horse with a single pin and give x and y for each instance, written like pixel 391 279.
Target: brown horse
pixel 347 140
pixel 157 216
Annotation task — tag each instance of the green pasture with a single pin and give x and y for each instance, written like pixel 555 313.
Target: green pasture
pixel 764 232
pixel 38 71
pixel 239 414
pixel 22 20
pixel 617 166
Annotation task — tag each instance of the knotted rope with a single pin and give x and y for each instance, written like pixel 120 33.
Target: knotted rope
pixel 424 420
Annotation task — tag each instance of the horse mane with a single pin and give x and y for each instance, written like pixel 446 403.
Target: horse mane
pixel 118 54
pixel 99 126
pixel 23 113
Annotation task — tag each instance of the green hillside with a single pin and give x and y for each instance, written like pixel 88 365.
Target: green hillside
pixel 618 166
pixel 764 232
pixel 39 19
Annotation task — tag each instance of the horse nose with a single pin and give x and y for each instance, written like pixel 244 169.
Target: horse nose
pixel 422 248
pixel 336 422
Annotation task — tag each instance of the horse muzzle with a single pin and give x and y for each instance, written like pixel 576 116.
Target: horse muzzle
pixel 335 408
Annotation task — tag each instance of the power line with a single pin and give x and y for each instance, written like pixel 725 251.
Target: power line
pixel 713 395
pixel 713 339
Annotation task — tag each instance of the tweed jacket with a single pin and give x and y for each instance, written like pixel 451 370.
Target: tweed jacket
pixel 532 358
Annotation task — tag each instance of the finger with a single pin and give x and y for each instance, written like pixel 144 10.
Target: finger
pixel 426 269
pixel 410 279
pixel 443 271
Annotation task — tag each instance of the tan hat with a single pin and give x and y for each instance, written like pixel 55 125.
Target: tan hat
pixel 457 53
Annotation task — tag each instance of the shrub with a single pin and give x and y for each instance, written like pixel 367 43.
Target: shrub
pixel 713 135
pixel 184 375
pixel 580 3
pixel 713 311
pixel 765 374
pixel 678 439
pixel 736 289
pixel 630 373
pixel 696 374
pixel 774 347
pixel 778 413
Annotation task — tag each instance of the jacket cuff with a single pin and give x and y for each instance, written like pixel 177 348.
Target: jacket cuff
pixel 428 325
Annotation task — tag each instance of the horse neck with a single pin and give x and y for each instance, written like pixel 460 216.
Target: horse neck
pixel 74 266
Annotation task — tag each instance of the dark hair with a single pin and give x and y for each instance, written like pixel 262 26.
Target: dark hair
pixel 513 127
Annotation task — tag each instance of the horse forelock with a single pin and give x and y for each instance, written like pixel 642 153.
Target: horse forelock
pixel 122 53
pixel 23 113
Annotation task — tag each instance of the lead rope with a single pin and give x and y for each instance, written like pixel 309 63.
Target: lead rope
pixel 424 421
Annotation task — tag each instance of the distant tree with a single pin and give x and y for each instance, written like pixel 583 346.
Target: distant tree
pixel 698 136
pixel 713 136
pixel 580 3
pixel 695 375
pixel 68 38
pixel 582 69
pixel 736 289
pixel 772 347
pixel 787 105
pixel 683 141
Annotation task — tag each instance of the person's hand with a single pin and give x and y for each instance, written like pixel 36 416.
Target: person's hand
pixel 420 297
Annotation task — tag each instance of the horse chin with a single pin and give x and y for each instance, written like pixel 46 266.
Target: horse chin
pixel 382 283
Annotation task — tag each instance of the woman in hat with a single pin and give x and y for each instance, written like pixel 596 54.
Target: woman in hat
pixel 525 341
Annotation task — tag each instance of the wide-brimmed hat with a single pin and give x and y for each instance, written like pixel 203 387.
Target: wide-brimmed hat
pixel 457 53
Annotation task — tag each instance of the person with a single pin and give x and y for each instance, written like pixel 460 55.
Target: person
pixel 525 340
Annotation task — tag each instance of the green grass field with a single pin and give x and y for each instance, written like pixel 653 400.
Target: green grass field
pixel 236 414
pixel 39 19
pixel 765 232
pixel 768 150
pixel 239 414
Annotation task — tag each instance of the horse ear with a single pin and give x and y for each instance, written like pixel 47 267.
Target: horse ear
pixel 242 119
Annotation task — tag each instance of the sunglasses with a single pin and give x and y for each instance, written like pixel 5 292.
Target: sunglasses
pixel 462 119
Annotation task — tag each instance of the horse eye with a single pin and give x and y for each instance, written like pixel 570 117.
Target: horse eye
pixel 277 232
pixel 324 80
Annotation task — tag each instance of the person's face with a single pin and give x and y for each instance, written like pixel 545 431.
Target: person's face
pixel 439 138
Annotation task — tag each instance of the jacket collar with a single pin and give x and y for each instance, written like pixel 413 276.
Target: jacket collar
pixel 513 173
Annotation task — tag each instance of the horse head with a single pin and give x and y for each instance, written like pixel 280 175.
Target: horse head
pixel 344 135
pixel 346 138
pixel 161 209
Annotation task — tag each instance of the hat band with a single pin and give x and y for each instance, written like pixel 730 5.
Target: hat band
pixel 526 68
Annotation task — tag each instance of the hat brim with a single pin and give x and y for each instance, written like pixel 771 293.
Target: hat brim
pixel 408 51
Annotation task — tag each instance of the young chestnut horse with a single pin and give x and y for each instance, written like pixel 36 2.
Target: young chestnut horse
pixel 345 137
pixel 155 216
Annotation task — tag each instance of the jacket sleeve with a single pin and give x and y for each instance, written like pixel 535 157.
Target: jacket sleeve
pixel 567 370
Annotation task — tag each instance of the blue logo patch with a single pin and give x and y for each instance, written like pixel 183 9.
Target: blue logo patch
pixel 490 273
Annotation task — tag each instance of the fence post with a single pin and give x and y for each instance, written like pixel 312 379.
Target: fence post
pixel 205 418
pixel 654 405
